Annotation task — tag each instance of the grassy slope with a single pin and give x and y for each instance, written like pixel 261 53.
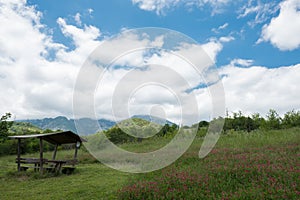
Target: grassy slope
pixel 95 181
pixel 22 127
pixel 90 181
pixel 242 166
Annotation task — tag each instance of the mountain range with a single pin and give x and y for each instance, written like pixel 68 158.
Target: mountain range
pixel 85 126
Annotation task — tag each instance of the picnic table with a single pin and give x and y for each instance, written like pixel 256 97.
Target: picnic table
pixel 57 165
pixel 39 164
pixel 49 165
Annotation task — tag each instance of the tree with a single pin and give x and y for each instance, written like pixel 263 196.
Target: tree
pixel 203 124
pixel 291 119
pixel 118 136
pixel 4 126
pixel 258 120
pixel 273 120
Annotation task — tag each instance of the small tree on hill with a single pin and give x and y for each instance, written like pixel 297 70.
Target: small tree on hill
pixel 4 126
pixel 273 120
pixel 291 119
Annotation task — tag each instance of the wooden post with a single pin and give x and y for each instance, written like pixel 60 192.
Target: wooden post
pixel 54 153
pixel 19 154
pixel 41 156
pixel 76 150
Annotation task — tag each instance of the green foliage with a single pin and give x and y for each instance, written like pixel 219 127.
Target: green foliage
pixel 273 120
pixel 240 123
pixel 90 181
pixel 142 130
pixel 22 128
pixel 117 136
pixel 291 119
pixel 4 126
pixel 244 166
pixel 137 130
pixel 9 147
pixel 203 124
pixel 168 130
pixel 261 165
pixel 258 120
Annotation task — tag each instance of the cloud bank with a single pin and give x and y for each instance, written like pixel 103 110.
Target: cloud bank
pixel 37 75
pixel 160 6
pixel 284 30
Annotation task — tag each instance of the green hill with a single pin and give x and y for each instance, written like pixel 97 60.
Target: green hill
pixel 22 128
pixel 138 127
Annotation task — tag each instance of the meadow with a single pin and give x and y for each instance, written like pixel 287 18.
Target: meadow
pixel 255 165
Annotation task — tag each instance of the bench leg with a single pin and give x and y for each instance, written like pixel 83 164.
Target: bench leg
pixel 22 168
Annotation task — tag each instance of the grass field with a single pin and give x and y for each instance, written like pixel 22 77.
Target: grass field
pixel 258 165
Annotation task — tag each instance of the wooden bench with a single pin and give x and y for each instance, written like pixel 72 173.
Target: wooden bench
pixel 57 166
pixel 34 161
pixel 29 160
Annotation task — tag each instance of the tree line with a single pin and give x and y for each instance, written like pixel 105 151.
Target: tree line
pixel 117 135
pixel 237 121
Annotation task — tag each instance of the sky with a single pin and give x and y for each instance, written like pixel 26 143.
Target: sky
pixel 254 44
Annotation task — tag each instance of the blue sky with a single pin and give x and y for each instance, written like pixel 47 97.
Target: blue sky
pixel 43 44
pixel 198 23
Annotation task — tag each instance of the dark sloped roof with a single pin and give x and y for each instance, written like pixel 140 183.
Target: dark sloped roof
pixel 66 137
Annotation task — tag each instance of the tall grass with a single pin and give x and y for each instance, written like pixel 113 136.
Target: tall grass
pixel 256 165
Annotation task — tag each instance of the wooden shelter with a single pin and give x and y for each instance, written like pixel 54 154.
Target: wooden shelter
pixel 58 138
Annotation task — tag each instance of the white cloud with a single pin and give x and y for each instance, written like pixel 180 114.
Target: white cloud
pixel 226 39
pixel 160 6
pixel 32 85
pixel 90 11
pixel 171 69
pixel 258 89
pixel 85 41
pixel 261 10
pixel 284 30
pixel 155 5
pixel 79 36
pixel 212 48
pixel 222 27
pixel 35 86
pixel 241 62
pixel 77 18
pixel 167 73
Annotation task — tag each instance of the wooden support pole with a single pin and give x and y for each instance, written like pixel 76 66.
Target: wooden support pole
pixel 77 146
pixel 54 153
pixel 41 156
pixel 19 155
pixel 76 150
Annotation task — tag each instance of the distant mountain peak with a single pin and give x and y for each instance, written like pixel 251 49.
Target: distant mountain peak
pixel 153 119
pixel 87 125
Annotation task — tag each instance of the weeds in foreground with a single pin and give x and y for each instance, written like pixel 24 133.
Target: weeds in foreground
pixel 254 173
